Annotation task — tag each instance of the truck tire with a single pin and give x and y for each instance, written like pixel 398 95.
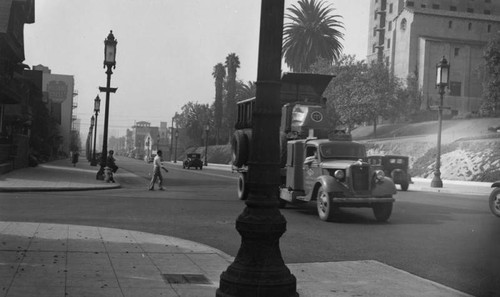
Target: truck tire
pixel 239 148
pixel 326 209
pixel 242 186
pixel 382 211
pixel 404 186
pixel 494 202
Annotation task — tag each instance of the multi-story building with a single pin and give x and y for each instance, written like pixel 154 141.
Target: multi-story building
pixel 58 94
pixel 413 36
pixel 144 140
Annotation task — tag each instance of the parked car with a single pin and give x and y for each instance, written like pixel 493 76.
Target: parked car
pixel 394 166
pixel 494 200
pixel 193 160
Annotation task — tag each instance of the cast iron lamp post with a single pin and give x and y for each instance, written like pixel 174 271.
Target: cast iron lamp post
pixel 109 62
pixel 97 106
pixel 259 269
pixel 207 128
pixel 176 142
pixel 442 78
pixel 91 133
pixel 172 136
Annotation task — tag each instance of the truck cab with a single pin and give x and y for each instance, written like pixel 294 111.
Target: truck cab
pixel 334 173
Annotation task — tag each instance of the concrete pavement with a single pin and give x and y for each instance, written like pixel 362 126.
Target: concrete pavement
pixel 68 260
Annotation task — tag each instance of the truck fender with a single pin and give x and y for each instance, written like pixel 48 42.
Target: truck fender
pixel 384 188
pixel 496 184
pixel 328 183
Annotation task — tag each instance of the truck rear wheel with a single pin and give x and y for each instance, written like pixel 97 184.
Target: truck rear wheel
pixel 325 206
pixel 382 211
pixel 404 186
pixel 242 186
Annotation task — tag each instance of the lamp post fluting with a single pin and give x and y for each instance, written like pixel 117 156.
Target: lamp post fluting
pixel 176 142
pixel 97 107
pixel 442 78
pixel 207 128
pixel 109 63
pixel 259 269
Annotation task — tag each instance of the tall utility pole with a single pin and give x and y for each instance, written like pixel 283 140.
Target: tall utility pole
pixel 259 269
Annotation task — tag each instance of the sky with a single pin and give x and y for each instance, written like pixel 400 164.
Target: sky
pixel 166 50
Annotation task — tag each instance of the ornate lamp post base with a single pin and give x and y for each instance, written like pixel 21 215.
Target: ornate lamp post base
pixel 436 180
pixel 258 269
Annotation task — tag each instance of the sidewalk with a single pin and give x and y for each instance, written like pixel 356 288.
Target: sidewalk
pixel 68 260
pixel 58 175
pixel 49 260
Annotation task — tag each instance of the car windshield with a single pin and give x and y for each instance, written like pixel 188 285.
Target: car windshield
pixel 342 150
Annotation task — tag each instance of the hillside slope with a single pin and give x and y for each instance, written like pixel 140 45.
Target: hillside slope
pixel 470 150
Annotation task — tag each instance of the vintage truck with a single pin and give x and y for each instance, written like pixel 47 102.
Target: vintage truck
pixel 318 163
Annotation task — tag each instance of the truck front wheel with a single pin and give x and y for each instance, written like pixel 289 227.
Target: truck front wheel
pixel 382 211
pixel 325 206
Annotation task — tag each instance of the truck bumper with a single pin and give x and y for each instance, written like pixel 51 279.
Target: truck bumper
pixel 371 200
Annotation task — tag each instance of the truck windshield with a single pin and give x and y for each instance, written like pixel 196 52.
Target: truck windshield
pixel 342 150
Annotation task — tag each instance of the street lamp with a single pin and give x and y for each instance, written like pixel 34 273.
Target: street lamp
pixel 259 269
pixel 91 132
pixel 207 128
pixel 442 79
pixel 176 142
pixel 172 136
pixel 109 62
pixel 97 107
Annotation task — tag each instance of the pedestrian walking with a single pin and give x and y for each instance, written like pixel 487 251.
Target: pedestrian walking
pixel 157 166
pixel 74 158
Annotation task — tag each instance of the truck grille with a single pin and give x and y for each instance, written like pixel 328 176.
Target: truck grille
pixel 360 177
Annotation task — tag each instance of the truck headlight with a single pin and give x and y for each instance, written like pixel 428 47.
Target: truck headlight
pixel 339 174
pixel 379 175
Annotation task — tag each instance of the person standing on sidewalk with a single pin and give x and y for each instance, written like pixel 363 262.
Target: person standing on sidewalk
pixel 157 166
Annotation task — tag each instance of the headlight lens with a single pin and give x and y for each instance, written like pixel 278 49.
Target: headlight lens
pixel 339 174
pixel 379 174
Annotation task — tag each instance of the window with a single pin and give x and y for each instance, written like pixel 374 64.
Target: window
pixel 374 47
pixel 487 1
pixel 374 31
pixel 375 15
pixel 390 8
pixel 453 8
pixel 423 5
pixel 471 10
pixel 487 12
pixel 455 88
pixel 389 26
pixel 403 24
pixel 410 3
pixel 489 28
pixel 457 51
pixel 470 26
pixel 388 43
pixel 450 24
pixel 435 6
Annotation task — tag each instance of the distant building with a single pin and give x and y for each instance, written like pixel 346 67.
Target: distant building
pixel 58 92
pixel 413 36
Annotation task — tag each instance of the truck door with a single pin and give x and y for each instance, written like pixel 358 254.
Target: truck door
pixel 311 168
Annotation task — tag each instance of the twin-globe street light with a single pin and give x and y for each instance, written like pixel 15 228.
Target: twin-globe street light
pixel 442 79
pixel 109 62
pixel 97 107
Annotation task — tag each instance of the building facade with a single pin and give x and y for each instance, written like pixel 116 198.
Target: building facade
pixel 58 94
pixel 413 36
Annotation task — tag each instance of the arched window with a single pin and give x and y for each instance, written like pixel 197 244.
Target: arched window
pixel 402 25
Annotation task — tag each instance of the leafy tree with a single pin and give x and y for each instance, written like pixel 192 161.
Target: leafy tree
pixel 491 85
pixel 311 33
pixel 232 65
pixel 44 132
pixel 219 73
pixel 193 119
pixel 360 93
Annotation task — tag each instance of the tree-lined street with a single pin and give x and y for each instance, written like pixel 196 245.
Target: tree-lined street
pixel 447 238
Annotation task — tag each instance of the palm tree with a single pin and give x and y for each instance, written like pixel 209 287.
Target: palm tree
pixel 219 74
pixel 312 33
pixel 245 90
pixel 232 64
